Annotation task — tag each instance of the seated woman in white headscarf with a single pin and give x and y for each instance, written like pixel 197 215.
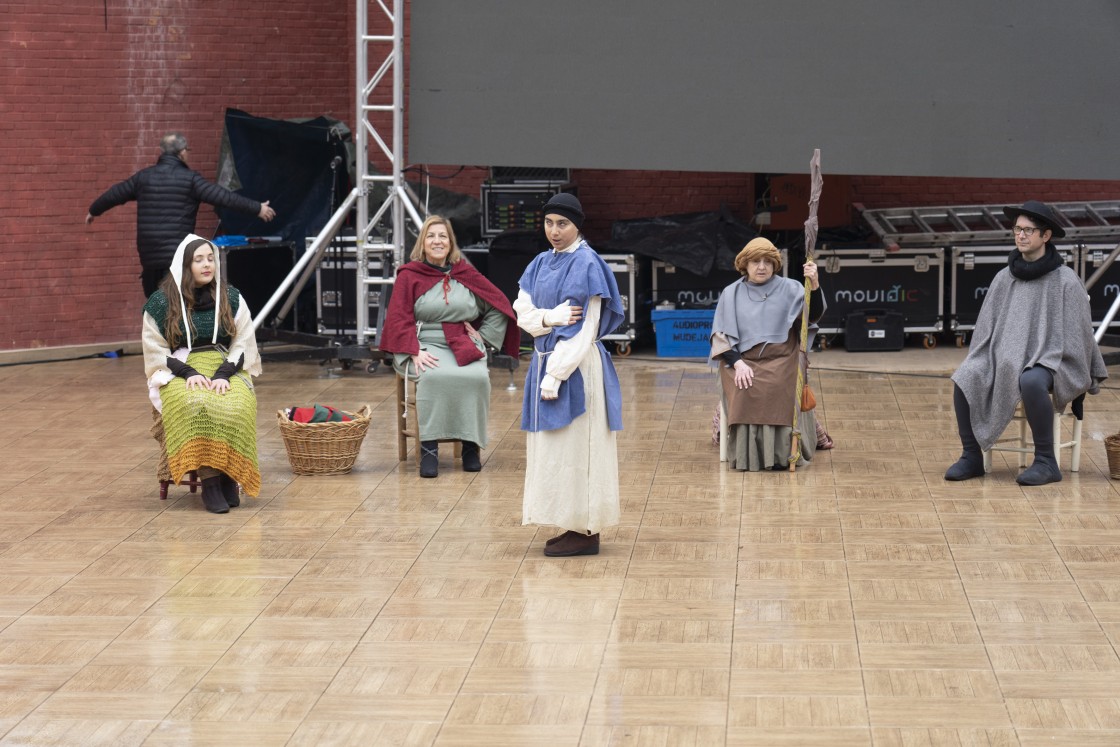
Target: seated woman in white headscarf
pixel 199 354
pixel 756 342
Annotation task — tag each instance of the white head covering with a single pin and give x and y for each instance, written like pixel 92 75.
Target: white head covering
pixel 193 242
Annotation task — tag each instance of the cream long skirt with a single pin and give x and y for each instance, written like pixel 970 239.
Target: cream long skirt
pixel 571 474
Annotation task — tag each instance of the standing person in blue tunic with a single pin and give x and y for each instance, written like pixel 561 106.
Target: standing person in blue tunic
pixel 568 299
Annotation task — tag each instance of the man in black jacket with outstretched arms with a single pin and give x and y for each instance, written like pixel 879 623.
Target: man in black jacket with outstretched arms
pixel 167 198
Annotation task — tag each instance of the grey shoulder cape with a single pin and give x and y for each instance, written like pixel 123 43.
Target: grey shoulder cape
pixel 748 314
pixel 1026 323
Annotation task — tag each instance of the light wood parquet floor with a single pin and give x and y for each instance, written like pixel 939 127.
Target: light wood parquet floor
pixel 860 601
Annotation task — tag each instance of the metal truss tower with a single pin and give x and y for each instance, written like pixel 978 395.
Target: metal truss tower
pixel 377 57
pixel 381 232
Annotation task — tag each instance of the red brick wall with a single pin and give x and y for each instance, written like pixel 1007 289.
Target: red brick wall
pixel 85 95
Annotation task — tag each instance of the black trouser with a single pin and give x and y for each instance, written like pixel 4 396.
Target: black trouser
pixel 150 278
pixel 1034 389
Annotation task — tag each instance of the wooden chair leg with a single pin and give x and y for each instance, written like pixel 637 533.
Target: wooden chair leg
pixel 190 480
pixel 1075 454
pixel 402 421
pixel 1024 442
pixel 1057 439
pixel 722 430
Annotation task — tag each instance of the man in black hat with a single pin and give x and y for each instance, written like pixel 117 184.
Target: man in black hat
pixel 1033 343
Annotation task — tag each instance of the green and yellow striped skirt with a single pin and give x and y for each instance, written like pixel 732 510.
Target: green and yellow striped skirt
pixel 206 429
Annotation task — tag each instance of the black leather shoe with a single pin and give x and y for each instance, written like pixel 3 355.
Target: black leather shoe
pixel 472 461
pixel 429 458
pixel 231 491
pixel 212 496
pixel 553 540
pixel 573 543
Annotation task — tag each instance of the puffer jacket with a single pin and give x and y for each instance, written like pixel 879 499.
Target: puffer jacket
pixel 167 198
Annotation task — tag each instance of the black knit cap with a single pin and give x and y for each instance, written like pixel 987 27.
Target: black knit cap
pixel 567 205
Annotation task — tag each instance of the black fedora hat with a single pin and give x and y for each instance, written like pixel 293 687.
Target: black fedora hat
pixel 1039 212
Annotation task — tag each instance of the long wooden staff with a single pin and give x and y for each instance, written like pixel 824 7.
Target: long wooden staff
pixel 810 244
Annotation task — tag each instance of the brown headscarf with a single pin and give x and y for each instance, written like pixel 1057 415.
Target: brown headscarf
pixel 758 248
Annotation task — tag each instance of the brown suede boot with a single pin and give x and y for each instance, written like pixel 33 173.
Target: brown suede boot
pixel 212 496
pixel 573 543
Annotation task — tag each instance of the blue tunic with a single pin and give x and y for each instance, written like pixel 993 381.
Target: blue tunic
pixel 551 279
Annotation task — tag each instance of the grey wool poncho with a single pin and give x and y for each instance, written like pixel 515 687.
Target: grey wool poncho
pixel 1026 323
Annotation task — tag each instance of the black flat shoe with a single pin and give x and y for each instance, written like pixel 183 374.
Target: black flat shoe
pixel 553 540
pixel 572 544
pixel 1039 473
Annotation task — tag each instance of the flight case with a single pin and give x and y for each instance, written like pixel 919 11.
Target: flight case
pixel 631 272
pixel 909 281
pixel 336 287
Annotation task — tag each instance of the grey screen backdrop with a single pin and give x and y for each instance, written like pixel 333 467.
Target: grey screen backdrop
pixel 967 88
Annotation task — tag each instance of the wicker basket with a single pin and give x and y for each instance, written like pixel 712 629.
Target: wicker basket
pixel 1112 451
pixel 324 448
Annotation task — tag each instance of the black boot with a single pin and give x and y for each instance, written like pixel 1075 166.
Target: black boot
pixel 971 463
pixel 472 462
pixel 1034 385
pixel 231 491
pixel 429 458
pixel 212 496
pixel 1044 471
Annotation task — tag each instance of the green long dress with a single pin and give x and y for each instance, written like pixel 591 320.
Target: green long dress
pixel 452 401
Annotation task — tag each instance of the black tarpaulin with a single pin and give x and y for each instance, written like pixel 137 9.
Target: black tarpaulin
pixel 288 163
pixel 696 242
